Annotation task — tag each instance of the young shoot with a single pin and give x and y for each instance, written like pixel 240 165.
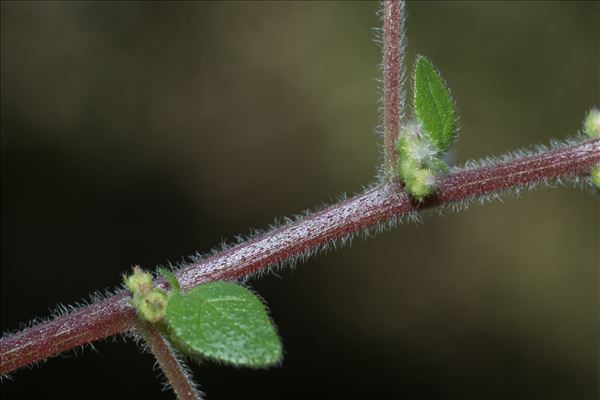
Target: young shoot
pixel 423 141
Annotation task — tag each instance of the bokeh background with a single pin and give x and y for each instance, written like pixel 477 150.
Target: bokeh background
pixel 137 133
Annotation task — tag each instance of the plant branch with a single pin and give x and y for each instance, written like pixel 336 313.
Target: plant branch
pixel 296 240
pixel 393 76
pixel 170 364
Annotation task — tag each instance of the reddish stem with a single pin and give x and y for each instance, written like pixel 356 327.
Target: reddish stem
pixel 393 75
pixel 169 363
pixel 378 204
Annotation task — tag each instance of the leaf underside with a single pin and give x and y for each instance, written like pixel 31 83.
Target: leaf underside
pixel 225 322
pixel 434 108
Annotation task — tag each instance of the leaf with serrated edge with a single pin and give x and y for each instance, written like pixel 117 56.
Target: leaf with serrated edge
pixel 225 322
pixel 433 105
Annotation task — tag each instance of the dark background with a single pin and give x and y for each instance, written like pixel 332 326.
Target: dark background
pixel 136 133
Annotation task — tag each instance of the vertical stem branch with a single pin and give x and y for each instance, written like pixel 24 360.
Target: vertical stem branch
pixel 393 78
pixel 172 367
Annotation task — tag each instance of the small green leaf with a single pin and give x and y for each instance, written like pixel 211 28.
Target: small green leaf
pixel 433 105
pixel 225 322
pixel 170 278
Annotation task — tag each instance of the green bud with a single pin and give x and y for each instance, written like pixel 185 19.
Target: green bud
pixel 591 125
pixel 418 162
pixel 139 281
pixel 415 147
pixel 437 166
pixel 411 129
pixel 421 183
pixel 421 150
pixel 406 167
pixel 595 173
pixel 402 147
pixel 149 302
pixel 152 306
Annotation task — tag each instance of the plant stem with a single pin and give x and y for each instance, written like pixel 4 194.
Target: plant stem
pixel 170 364
pixel 393 76
pixel 297 240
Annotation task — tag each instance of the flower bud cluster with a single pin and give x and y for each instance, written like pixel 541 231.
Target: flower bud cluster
pixel 419 162
pixel 149 302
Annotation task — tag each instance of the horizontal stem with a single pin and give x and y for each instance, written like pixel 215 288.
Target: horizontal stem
pixel 377 204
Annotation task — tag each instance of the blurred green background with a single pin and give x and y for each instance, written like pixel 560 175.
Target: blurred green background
pixel 136 133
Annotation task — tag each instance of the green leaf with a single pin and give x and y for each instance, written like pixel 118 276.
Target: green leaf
pixel 170 278
pixel 433 105
pixel 225 322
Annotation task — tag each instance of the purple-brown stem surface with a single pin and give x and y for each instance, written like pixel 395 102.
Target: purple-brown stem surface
pixel 169 363
pixel 393 74
pixel 375 205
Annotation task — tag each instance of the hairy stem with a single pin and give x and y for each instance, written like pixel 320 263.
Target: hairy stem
pixel 168 361
pixel 393 76
pixel 297 240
